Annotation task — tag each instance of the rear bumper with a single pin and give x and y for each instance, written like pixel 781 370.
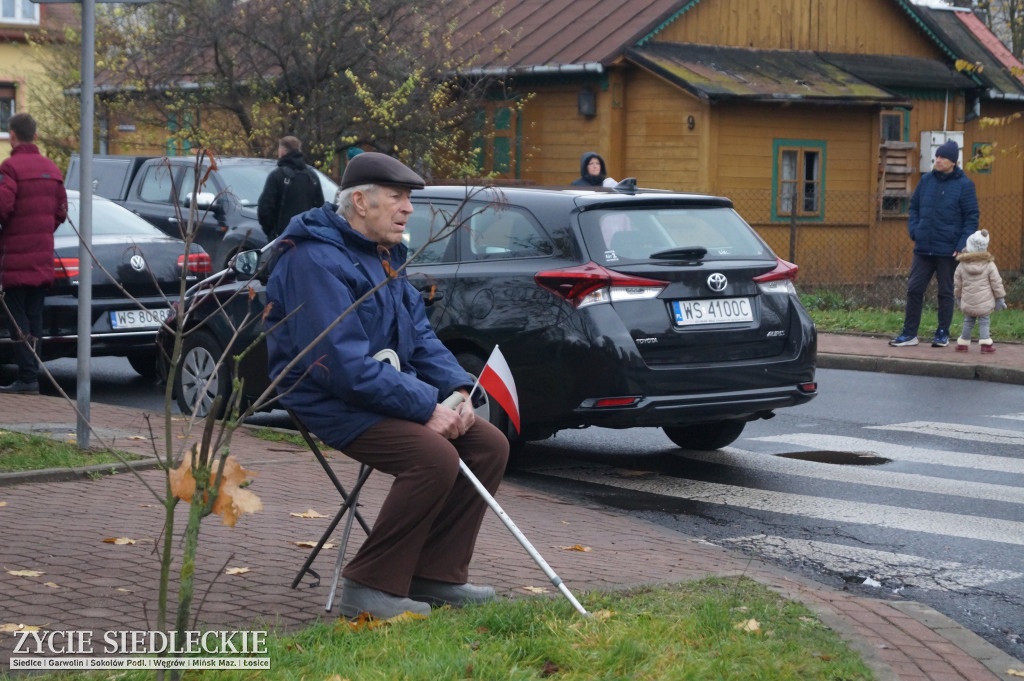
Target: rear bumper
pixel 670 410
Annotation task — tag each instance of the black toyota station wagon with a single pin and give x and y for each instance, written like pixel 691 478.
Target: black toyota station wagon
pixel 614 308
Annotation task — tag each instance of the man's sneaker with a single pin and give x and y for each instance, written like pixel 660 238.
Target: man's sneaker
pixel 442 593
pixel 941 339
pixel 903 340
pixel 21 388
pixel 357 598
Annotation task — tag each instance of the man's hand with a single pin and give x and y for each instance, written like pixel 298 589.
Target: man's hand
pixel 451 423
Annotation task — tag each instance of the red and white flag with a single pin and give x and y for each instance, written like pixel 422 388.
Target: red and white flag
pixel 496 379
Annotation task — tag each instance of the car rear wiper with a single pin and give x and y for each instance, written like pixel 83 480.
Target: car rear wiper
pixel 687 253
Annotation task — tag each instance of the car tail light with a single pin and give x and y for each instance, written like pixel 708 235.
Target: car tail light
pixel 780 279
pixel 198 263
pixel 65 268
pixel 591 284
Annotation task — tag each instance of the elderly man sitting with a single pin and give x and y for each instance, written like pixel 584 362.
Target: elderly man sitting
pixel 419 550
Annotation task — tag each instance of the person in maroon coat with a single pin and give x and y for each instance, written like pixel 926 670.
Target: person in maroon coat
pixel 32 204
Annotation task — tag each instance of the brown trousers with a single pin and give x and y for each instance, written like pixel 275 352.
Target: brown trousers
pixel 428 524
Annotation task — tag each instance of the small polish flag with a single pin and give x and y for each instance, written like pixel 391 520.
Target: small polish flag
pixel 496 379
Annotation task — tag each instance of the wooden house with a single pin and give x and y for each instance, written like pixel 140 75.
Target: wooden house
pixel 817 117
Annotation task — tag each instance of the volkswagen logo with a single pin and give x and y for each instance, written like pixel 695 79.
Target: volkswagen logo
pixel 138 264
pixel 717 282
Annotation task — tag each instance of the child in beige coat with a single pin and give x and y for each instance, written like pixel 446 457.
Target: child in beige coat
pixel 978 289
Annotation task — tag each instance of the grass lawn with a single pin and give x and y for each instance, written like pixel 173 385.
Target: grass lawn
pixel 723 629
pixel 21 452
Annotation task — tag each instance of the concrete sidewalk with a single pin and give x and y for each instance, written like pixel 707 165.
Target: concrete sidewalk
pixel 57 523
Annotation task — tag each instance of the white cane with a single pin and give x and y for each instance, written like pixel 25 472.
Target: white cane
pixel 453 401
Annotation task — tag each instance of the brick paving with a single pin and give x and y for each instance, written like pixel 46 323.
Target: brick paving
pixel 57 526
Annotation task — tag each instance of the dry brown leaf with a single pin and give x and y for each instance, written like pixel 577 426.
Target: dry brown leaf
pixel 236 571
pixel 9 628
pixel 575 547
pixel 1015 672
pixel 232 501
pixel 25 573
pixel 536 589
pixel 549 668
pixel 51 585
pixel 312 544
pixel 137 437
pixel 147 506
pixel 308 514
pixel 602 615
pixel 2 504
pixel 748 625
pixel 125 590
pixel 120 541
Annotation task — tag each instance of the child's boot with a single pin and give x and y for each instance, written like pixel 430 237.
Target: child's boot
pixel 986 345
pixel 962 344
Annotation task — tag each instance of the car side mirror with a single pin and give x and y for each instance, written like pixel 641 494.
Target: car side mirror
pixel 246 263
pixel 203 200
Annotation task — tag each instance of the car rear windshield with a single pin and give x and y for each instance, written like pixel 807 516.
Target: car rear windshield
pixel 636 234
pixel 108 219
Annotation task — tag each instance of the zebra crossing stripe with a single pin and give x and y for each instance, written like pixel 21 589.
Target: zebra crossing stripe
pixel 883 566
pixel 939 457
pixel 831 510
pixel 860 475
pixel 958 431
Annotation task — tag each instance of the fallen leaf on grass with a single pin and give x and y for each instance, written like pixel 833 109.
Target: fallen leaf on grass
pixel 312 544
pixel 367 621
pixel 751 625
pixel 9 628
pixel 536 589
pixel 602 615
pixel 575 547
pixel 120 541
pixel 308 514
pixel 237 571
pixel 25 573
pixel 549 668
pixel 51 585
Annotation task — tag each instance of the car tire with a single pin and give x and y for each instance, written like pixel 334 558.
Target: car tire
pixel 705 436
pixel 488 408
pixel 199 379
pixel 144 363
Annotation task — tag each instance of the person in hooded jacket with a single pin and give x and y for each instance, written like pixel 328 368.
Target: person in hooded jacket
pixel 291 188
pixel 943 213
pixel 593 172
pixel 33 203
pixel 979 291
pixel 389 418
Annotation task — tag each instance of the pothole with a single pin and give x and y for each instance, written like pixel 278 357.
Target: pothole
pixel 838 458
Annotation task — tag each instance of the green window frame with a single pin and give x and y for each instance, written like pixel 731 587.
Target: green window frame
pixel 798 180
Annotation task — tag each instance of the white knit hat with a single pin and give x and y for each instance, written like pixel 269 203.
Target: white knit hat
pixel 977 242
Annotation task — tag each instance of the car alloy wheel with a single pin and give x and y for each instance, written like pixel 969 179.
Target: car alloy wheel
pixel 200 379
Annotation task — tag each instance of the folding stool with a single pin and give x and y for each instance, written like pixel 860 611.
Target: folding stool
pixel 350 501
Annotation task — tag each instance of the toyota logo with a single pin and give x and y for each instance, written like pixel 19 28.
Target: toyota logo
pixel 717 282
pixel 138 263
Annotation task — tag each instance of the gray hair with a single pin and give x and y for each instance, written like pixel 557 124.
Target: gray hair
pixel 345 205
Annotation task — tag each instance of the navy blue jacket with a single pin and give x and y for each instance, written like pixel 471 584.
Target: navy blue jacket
pixel 943 213
pixel 322 267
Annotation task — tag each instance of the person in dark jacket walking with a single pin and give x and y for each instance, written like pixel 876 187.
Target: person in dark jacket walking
pixel 943 213
pixel 33 203
pixel 386 415
pixel 291 188
pixel 593 172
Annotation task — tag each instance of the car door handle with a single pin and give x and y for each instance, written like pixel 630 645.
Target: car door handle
pixel 431 295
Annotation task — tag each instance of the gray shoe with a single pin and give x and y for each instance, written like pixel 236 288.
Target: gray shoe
pixel 356 598
pixel 21 388
pixel 443 593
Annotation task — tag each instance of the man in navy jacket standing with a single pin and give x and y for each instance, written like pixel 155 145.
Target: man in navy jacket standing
pixel 377 413
pixel 943 213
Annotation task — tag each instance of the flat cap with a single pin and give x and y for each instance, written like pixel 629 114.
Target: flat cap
pixel 373 168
